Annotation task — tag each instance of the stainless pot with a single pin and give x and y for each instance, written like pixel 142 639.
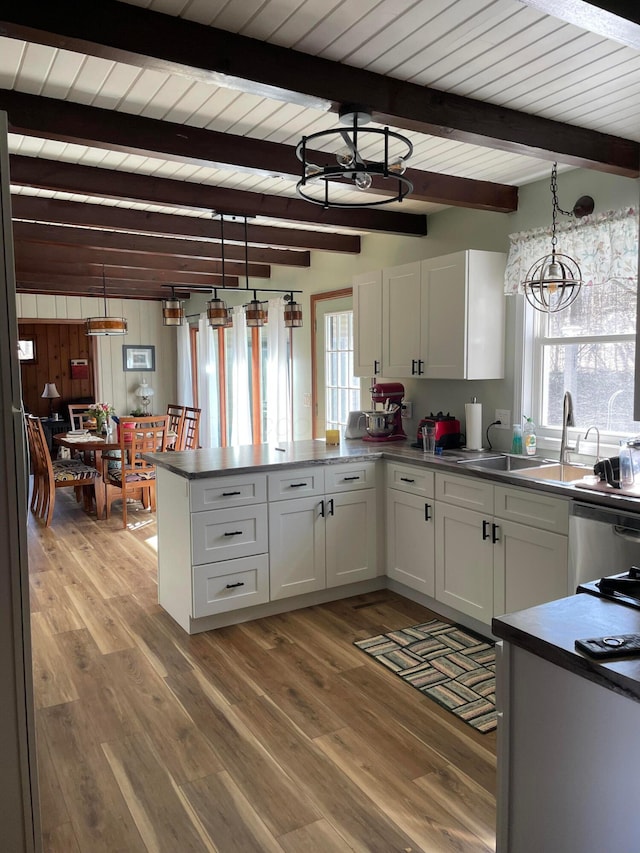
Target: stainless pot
pixel 379 423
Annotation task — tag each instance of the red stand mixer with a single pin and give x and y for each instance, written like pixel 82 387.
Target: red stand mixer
pixel 385 424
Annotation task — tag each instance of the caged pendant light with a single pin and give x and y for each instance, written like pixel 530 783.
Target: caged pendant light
pixel 172 310
pixel 361 156
pixel 554 281
pixel 218 315
pixel 255 311
pixel 105 325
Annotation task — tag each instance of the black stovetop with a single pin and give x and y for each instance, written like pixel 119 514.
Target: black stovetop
pixel 607 588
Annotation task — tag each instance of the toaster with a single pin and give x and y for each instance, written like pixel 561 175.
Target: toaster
pixel 447 430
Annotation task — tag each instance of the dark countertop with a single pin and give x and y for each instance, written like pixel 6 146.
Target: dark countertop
pixel 215 462
pixel 550 630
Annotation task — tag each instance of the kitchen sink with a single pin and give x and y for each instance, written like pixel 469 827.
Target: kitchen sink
pixel 504 463
pixel 558 473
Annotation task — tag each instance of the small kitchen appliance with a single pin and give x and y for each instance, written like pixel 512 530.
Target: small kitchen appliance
pixel 385 424
pixel 447 431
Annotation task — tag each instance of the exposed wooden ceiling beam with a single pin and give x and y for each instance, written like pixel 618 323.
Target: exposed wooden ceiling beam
pixel 124 219
pixel 47 118
pixel 57 269
pixel 168 247
pixel 45 253
pixel 89 180
pixel 62 285
pixel 126 33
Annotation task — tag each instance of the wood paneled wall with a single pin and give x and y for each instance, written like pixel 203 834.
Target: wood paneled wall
pixel 56 344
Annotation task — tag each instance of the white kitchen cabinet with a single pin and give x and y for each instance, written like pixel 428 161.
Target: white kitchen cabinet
pixel 486 563
pixel 410 526
pixel 324 540
pixel 441 318
pixel 401 347
pixel 367 324
pixel 462 316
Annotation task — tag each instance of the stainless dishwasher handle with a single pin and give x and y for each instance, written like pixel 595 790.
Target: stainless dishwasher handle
pixel 626 533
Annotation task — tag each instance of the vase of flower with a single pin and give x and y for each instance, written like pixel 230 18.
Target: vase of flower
pixel 101 412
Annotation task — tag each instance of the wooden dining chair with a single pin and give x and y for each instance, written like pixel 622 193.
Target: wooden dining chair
pixel 78 414
pixel 191 430
pixel 175 424
pixel 50 475
pixel 129 476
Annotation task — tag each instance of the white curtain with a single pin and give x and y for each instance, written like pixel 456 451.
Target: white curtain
pixel 185 384
pixel 208 384
pixel 605 246
pixel 240 402
pixel 278 383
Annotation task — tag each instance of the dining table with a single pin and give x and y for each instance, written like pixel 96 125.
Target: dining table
pixel 92 446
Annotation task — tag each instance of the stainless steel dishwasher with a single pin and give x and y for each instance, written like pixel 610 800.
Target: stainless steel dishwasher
pixel 602 542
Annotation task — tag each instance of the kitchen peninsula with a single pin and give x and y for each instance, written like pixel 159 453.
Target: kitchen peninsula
pixel 249 531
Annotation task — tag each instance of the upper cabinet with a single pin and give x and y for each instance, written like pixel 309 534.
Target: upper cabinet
pixel 367 312
pixel 442 318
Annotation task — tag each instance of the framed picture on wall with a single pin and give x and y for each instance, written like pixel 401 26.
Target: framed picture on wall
pixel 138 358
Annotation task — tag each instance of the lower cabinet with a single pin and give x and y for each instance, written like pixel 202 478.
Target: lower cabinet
pixel 410 540
pixel 487 564
pixel 322 542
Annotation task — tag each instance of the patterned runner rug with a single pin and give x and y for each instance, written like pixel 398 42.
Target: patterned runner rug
pixel 445 663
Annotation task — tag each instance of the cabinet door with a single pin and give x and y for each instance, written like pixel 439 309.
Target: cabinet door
pixel 296 546
pixel 351 537
pixel 367 324
pixel 530 567
pixel 401 321
pixel 464 561
pixel 443 316
pixel 410 541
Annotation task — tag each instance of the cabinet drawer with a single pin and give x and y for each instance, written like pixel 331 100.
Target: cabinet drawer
pixel 218 492
pixel 533 508
pixel 296 483
pixel 465 492
pixel 229 585
pixel 224 534
pixel 410 478
pixel 346 478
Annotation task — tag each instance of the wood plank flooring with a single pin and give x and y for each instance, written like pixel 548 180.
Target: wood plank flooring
pixel 274 735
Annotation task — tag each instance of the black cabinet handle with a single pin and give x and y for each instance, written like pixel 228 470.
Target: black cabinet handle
pixel 322 509
pixel 234 585
pixel 406 480
pixel 485 529
pixel 427 512
pixel 413 366
pixel 494 532
pixel 330 502
pixel 420 370
pixel 297 485
pixel 234 533
pixel 230 494
pixel 347 479
pixel 376 366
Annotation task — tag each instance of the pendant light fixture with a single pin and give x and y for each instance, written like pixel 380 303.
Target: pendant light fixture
pixel 292 313
pixel 218 315
pixel 387 152
pixel 554 281
pixel 172 310
pixel 105 325
pixel 255 313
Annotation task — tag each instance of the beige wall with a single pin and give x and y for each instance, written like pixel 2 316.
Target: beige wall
pixel 144 320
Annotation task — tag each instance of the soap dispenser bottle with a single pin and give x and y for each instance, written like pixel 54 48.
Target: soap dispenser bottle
pixel 516 441
pixel 529 437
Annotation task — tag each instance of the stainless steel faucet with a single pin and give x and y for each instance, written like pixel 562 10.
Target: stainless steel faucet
pixel 567 421
pixel 586 436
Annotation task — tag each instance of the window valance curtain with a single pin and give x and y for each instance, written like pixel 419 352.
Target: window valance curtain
pixel 605 245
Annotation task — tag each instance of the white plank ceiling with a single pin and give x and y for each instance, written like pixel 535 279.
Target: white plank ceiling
pixel 502 52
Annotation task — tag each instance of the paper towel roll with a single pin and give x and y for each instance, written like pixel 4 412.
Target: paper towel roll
pixel 473 415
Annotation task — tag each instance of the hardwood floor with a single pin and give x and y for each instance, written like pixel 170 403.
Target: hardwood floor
pixel 274 735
